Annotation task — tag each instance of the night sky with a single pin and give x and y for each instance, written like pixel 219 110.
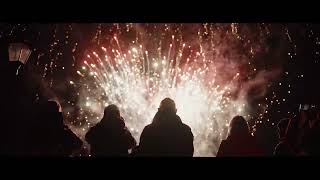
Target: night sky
pixel 292 48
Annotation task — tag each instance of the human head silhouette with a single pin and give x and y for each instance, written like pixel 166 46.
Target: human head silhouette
pixel 111 111
pixel 56 103
pixel 239 126
pixel 50 107
pixel 168 105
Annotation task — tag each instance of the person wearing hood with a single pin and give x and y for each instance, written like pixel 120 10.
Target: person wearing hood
pixel 110 137
pixel 167 135
pixel 48 135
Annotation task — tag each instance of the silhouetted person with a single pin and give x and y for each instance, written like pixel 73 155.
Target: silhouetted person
pixel 10 110
pixel 284 147
pixel 310 141
pixel 14 105
pixel 299 131
pixel 110 137
pixel 239 142
pixel 166 135
pixel 48 134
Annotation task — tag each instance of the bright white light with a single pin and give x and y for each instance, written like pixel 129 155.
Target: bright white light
pixel 200 104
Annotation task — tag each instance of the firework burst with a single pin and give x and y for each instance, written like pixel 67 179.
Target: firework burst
pixel 137 82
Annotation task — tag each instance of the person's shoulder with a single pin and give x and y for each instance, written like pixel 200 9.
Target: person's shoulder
pixel 224 142
pixel 183 125
pixel 93 129
pixel 222 147
pixel 149 126
pixel 148 129
pixel 186 128
pixel 91 133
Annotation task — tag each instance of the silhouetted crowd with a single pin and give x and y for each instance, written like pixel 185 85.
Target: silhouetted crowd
pixel 32 125
pixel 165 136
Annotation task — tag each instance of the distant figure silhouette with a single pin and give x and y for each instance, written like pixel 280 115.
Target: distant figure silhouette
pixel 296 131
pixel 49 135
pixel 239 142
pixel 166 135
pixel 110 137
pixel 310 141
pixel 12 110
pixel 284 147
pixel 15 105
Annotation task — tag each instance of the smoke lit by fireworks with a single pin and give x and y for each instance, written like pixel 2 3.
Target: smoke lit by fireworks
pixel 205 75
